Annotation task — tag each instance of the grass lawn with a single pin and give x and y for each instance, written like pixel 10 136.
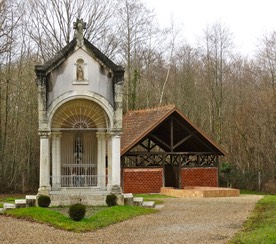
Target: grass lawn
pixel 242 191
pixel 97 218
pixel 261 226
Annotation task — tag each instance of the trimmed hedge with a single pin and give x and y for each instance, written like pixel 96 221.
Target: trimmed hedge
pixel 77 211
pixel 111 200
pixel 43 201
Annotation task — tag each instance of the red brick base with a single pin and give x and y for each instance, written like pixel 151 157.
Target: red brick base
pixel 144 180
pixel 199 177
pixel 150 180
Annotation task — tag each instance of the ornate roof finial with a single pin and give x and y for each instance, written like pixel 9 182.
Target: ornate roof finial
pixel 79 26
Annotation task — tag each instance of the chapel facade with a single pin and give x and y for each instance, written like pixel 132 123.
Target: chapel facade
pixel 80 123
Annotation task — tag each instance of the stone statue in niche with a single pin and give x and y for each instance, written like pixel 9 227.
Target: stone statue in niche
pixel 79 72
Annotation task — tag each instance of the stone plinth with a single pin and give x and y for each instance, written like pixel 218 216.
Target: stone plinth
pixel 128 199
pixel 138 201
pixel 8 206
pixel 20 203
pixel 30 200
pixel 148 204
pixel 197 191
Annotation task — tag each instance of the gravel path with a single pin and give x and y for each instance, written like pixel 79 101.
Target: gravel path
pixel 186 220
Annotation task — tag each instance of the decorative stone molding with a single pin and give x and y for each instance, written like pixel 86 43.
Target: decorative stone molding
pixel 118 76
pixel 44 190
pixel 44 134
pixel 114 133
pixel 56 134
pixel 40 76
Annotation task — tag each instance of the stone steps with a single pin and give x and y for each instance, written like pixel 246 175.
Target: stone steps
pixel 137 201
pixel 29 201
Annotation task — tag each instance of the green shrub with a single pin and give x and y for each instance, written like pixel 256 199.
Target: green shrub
pixel 77 211
pixel 111 200
pixel 43 201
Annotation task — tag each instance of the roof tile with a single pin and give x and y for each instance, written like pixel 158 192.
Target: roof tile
pixel 138 123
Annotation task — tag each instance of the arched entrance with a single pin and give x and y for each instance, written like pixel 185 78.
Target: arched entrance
pixel 79 145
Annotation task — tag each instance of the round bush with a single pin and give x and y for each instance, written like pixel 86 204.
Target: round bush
pixel 77 211
pixel 111 200
pixel 43 201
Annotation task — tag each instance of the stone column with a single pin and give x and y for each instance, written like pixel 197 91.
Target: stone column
pixel 114 161
pixel 101 167
pixel 56 160
pixel 44 177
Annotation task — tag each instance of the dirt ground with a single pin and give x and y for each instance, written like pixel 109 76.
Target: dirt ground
pixel 186 220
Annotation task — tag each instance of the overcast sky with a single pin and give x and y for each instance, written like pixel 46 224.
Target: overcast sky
pixel 248 20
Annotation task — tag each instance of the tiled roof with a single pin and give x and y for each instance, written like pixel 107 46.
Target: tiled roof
pixel 138 123
pixel 63 54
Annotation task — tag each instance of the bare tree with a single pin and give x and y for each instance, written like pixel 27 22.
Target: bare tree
pixel 173 35
pixel 7 28
pixel 266 83
pixel 215 65
pixel 135 25
pixel 51 21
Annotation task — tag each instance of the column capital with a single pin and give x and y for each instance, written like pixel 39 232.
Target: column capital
pixel 115 133
pixel 56 134
pixel 44 134
pixel 100 133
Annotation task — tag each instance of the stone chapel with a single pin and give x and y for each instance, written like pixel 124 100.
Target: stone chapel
pixel 80 123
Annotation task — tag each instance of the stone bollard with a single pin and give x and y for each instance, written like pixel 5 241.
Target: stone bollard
pixel 20 203
pixel 138 201
pixel 30 200
pixel 7 206
pixel 128 199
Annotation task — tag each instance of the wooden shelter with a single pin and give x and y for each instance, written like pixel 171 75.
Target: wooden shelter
pixel 161 147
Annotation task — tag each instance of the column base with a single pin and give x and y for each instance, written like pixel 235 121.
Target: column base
pixel 44 190
pixel 117 190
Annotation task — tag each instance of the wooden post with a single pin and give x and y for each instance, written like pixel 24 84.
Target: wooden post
pixel 163 161
pixel 179 171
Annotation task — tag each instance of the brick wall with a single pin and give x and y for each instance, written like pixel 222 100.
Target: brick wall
pixel 142 180
pixel 199 177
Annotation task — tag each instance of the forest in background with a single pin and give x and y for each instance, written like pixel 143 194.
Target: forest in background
pixel 230 97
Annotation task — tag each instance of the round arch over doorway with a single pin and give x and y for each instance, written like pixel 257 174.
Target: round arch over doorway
pixel 80 113
pixel 78 144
